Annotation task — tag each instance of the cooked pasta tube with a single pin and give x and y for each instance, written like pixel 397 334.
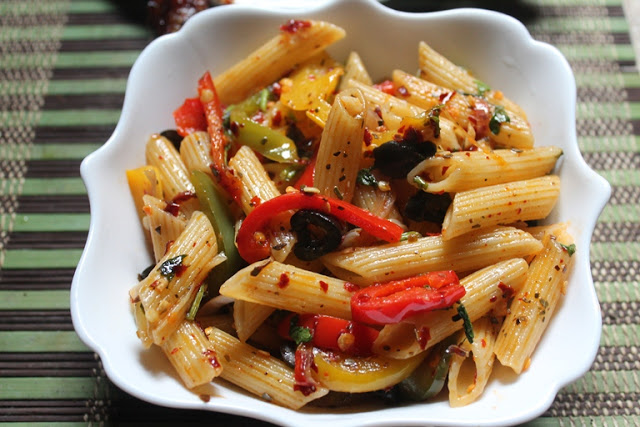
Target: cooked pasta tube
pixel 248 316
pixel 195 151
pixel 393 261
pixel 274 59
pixel 164 227
pixel 485 288
pixel 460 107
pixel 461 171
pixel 258 372
pixel 142 326
pixel 167 292
pixel 469 375
pixel 378 202
pixel 340 148
pixel 174 176
pixel 192 355
pixel 356 70
pixel 289 288
pixel 500 204
pixel 438 69
pixel 535 303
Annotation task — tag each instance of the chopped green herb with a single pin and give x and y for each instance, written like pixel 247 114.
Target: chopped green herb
pixel 365 177
pixel 571 249
pixel 420 182
pixel 483 88
pixel 168 268
pixel 544 303
pixel 298 333
pixel 196 303
pixel 337 192
pixel 434 119
pixel 408 235
pixel 468 328
pixel 499 116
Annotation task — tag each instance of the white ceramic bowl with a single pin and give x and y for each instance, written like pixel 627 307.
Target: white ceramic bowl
pixel 496 47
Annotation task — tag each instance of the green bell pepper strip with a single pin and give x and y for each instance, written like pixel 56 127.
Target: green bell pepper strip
pixel 270 143
pixel 214 206
pixel 428 379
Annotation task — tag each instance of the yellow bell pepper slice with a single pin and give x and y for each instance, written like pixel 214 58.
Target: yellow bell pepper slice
pixel 144 180
pixel 351 374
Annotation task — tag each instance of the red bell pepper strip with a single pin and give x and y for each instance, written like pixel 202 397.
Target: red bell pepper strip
pixel 386 86
pixel 395 301
pixel 309 173
pixel 189 117
pixel 254 248
pixel 326 332
pixel 213 113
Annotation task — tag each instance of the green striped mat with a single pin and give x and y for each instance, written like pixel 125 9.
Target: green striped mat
pixel 71 59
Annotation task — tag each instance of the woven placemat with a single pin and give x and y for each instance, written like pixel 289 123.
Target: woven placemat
pixel 63 68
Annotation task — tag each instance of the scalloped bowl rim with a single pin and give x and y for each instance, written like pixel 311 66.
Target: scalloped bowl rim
pixel 147 376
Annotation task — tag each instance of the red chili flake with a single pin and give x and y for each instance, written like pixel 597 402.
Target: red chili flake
pixel 351 287
pixel 172 208
pixel 258 117
pixel 507 291
pixel 277 89
pixel 294 25
pixel 304 389
pixel 367 137
pixel 211 356
pixel 179 270
pixel 284 281
pixel 493 298
pixel 402 91
pixel 445 169
pixel 423 335
pixel 175 350
pixel 277 118
pixel 255 201
pixel 386 86
pixel 483 342
pixel 446 96
pixel 473 148
pixel 324 286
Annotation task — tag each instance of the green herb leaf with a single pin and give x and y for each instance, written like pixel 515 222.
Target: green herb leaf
pixel 365 177
pixel 420 182
pixel 468 328
pixel 196 303
pixel 298 333
pixel 168 268
pixel 434 119
pixel 571 249
pixel 499 116
pixel 409 235
pixel 338 193
pixel 483 88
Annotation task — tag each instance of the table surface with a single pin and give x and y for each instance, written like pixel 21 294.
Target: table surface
pixel 63 70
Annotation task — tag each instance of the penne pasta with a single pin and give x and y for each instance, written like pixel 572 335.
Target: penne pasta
pixel 192 355
pixel 258 372
pixel 166 296
pixel 467 170
pixel 485 289
pixel 355 70
pixel 337 163
pixel 408 258
pixel 164 228
pixel 468 376
pixel 248 316
pixel 534 305
pixel 195 152
pixel 274 59
pixel 174 176
pixel 500 204
pixel 290 288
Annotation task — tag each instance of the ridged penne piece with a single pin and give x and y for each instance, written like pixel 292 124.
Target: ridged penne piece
pixel 142 326
pixel 289 288
pixel 195 151
pixel 355 70
pixel 469 375
pixel 256 186
pixel 248 316
pixel 340 148
pixel 392 261
pixel 459 107
pixel 258 372
pixel 378 202
pixel 274 59
pixel 165 295
pixel 534 305
pixel 467 170
pixel 192 355
pixel 394 110
pixel 500 204
pixel 174 176
pixel 485 288
pixel 164 227
pixel 438 69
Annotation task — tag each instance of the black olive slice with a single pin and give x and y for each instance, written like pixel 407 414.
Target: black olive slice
pixel 318 234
